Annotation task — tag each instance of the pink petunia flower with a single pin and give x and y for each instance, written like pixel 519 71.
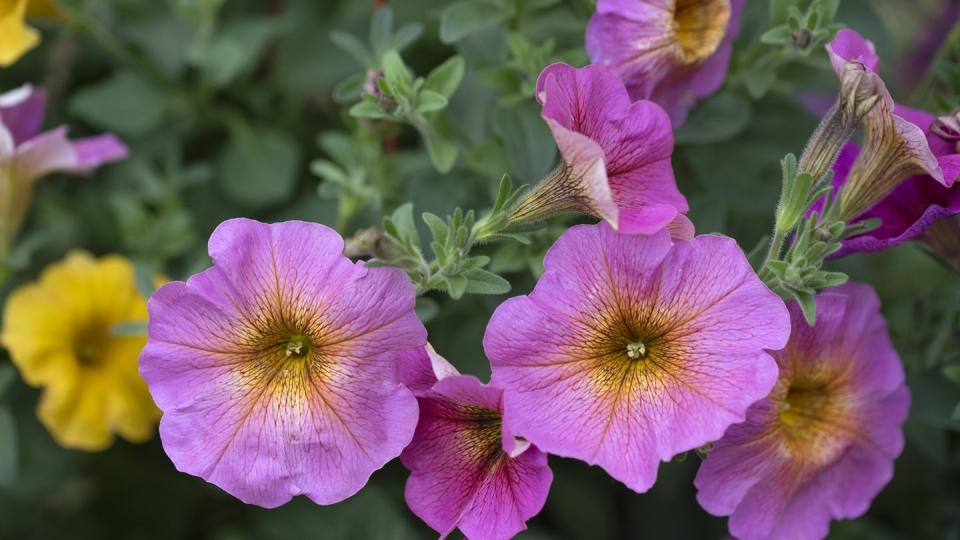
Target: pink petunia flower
pixel 822 444
pixel 898 146
pixel 633 349
pixel 468 470
pixel 26 155
pixel 616 155
pixel 672 52
pixel 276 369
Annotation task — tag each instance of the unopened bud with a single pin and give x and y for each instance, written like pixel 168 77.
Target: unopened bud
pixel 860 91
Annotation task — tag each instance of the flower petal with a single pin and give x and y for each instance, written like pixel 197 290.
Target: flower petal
pixel 262 429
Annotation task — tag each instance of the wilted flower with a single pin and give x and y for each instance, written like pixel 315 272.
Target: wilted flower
pixel 633 349
pixel 468 471
pixel 895 148
pixel 26 156
pixel 822 444
pixel 616 154
pixel 672 52
pixel 63 334
pixel 276 369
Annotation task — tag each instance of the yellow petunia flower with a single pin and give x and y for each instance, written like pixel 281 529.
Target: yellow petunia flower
pixel 16 38
pixel 59 334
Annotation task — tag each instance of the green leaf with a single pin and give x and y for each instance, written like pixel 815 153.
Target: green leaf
pixel 445 78
pixel 349 89
pixel 404 36
pixel 396 73
pixel 7 376
pixel 480 281
pixel 368 109
pixel 759 252
pixel 354 47
pixel 779 10
pixel 234 50
pixel 456 286
pixel 438 227
pixel 133 328
pixel 125 103
pixel 807 305
pixel 8 449
pixel 381 28
pixel 719 118
pixel 828 10
pixel 465 17
pixel 430 101
pixel 952 372
pixel 778 35
pixel 426 308
pixel 406 228
pixel 145 278
pixel 530 147
pixel 259 167
pixel 442 152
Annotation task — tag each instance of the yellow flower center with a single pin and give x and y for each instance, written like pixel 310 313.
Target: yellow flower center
pixel 815 419
pixel 700 26
pixel 90 345
pixel 636 350
pixel 627 352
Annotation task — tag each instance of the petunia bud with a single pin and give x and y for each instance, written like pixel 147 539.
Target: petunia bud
pixel 860 91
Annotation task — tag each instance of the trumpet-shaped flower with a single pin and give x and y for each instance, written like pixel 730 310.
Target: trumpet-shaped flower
pixel 276 369
pixel 27 155
pixel 895 148
pixel 616 154
pixel 61 335
pixel 633 349
pixel 822 444
pixel 468 471
pixel 672 52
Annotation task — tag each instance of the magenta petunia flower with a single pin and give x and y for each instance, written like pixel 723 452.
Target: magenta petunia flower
pixel 277 368
pixel 616 155
pixel 633 349
pixel 899 145
pixel 26 155
pixel 468 471
pixel 822 444
pixel 672 52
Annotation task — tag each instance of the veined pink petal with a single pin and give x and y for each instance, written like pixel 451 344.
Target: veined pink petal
pixel 462 476
pixel 276 369
pixel 822 444
pixel 632 349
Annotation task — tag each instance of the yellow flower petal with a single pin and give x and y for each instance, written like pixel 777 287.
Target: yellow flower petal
pixel 16 38
pixel 58 332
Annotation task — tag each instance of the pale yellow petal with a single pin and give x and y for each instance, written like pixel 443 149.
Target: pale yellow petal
pixel 75 413
pixel 37 332
pixel 16 38
pixel 130 408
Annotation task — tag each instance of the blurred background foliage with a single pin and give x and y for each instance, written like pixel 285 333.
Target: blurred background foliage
pixel 240 108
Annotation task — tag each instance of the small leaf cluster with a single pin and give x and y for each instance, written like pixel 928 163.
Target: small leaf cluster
pixel 401 97
pixel 453 268
pixel 793 35
pixel 798 273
